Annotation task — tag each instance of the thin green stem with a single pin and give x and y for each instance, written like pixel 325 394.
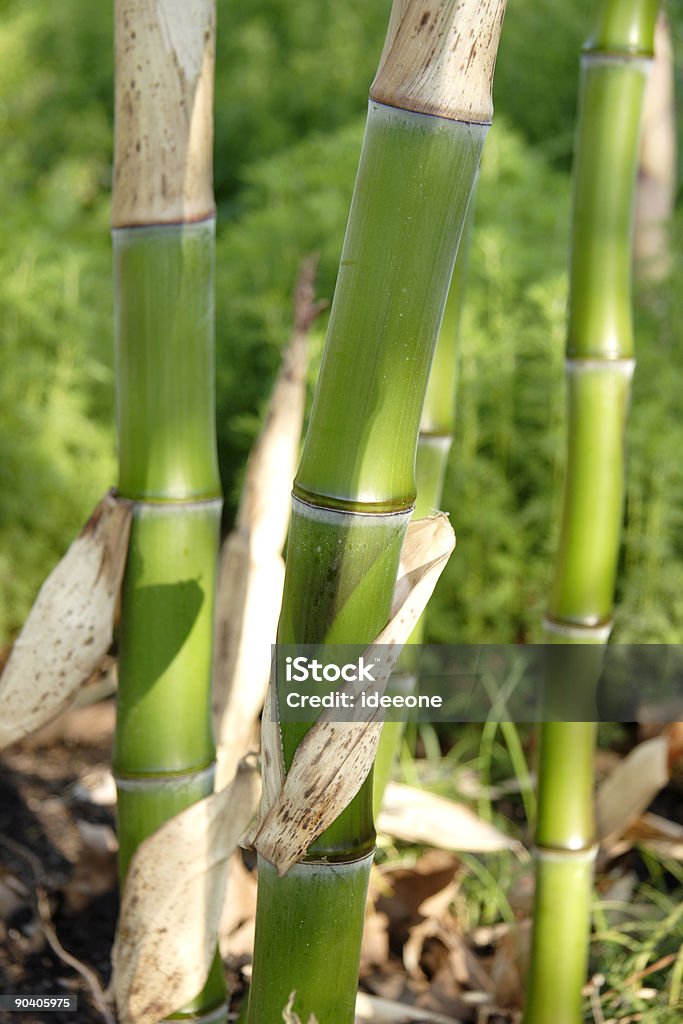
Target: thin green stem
pixel 600 364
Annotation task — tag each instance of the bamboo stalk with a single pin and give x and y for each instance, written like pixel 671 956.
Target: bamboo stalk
pixel 163 237
pixel 599 368
pixel 354 492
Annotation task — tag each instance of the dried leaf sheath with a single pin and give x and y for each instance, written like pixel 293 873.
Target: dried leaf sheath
pixel 252 569
pixel 163 953
pixel 69 628
pixel 299 807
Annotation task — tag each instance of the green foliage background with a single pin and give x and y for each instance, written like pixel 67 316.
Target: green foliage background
pixel 291 90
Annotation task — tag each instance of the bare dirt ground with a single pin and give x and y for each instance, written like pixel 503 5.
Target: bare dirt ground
pixel 59 897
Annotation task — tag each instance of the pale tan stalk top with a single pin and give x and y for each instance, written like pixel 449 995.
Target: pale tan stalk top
pixel 439 57
pixel 163 159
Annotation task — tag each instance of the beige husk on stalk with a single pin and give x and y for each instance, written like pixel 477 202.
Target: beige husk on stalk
pixel 162 952
pixel 189 855
pixel 435 83
pixel 69 628
pixel 334 759
pixel 252 568
pixel 156 182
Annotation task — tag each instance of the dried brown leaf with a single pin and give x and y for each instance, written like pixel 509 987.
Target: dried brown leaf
pixel 162 953
pixel 13 893
pixel 510 964
pixel 250 594
pixel 663 837
pixel 69 628
pixel 239 906
pixel 626 793
pixel 95 870
pixel 416 816
pixel 407 891
pixel 374 1010
pixel 375 943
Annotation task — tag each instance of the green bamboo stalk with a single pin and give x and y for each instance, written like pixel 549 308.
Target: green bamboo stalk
pixel 434 444
pixel 354 492
pixel 163 236
pixel 599 368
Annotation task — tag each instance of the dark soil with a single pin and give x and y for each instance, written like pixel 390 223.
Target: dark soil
pixel 58 882
pixel 41 848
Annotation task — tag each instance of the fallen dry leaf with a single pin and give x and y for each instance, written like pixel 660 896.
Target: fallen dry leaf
pixel 69 628
pixel 375 943
pixel 510 963
pixel 404 892
pixel 416 816
pixel 162 953
pixel 96 787
pixel 374 1010
pixel 626 793
pixel 90 718
pixel 659 835
pixel 13 894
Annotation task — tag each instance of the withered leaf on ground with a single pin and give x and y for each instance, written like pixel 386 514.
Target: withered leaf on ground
pixel 374 1010
pixel 626 793
pixel 417 816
